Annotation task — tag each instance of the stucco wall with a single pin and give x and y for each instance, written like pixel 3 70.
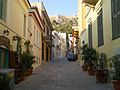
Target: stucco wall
pixel 110 47
pixel 37 46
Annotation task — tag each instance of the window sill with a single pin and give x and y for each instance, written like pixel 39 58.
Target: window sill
pixel 116 37
pixel 101 45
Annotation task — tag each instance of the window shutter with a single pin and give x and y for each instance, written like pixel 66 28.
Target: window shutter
pixel 90 34
pixel 118 16
pixel 100 29
pixel 115 18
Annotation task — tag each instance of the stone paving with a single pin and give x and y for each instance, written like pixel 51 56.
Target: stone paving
pixel 61 75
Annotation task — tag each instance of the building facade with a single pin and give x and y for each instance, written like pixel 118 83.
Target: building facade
pixel 56 41
pixel 100 25
pixel 47 32
pixel 13 25
pixel 35 30
pixel 63 48
pixel 20 22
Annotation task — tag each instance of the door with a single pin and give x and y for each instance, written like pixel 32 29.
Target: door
pixel 4 58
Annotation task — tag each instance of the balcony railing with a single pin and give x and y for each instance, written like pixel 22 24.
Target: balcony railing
pixel 47 39
pixel 91 2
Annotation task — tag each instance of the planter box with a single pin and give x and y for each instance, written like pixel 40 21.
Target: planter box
pixel 91 72
pixel 116 84
pixel 101 75
pixel 29 71
pixel 84 67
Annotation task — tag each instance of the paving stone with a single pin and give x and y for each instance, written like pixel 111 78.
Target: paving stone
pixel 60 74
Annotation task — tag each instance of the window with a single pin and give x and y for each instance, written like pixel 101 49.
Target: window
pixel 115 7
pixel 90 35
pixel 100 29
pixel 34 34
pixel 3 9
pixel 24 30
pixel 37 39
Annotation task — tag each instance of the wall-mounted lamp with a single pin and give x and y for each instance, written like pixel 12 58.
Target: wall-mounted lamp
pixel 15 38
pixel 6 32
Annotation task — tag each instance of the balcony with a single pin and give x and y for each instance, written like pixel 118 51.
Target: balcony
pixel 90 2
pixel 47 39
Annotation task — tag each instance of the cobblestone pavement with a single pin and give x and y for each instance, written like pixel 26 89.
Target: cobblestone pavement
pixel 61 75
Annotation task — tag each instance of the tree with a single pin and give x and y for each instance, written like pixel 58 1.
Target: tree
pixel 65 26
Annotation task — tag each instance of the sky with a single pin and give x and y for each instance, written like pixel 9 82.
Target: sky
pixel 60 7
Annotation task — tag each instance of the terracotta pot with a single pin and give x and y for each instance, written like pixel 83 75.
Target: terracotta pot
pixel 116 84
pixel 84 67
pixel 91 72
pixel 101 75
pixel 29 71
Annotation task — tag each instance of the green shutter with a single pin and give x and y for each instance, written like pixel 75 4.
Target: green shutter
pixel 6 62
pixel 118 16
pixel 115 7
pixel 90 34
pixel 100 29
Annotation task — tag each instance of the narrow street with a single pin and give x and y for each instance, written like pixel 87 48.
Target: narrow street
pixel 61 75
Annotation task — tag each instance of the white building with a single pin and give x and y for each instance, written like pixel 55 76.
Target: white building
pixel 56 42
pixel 62 43
pixel 59 41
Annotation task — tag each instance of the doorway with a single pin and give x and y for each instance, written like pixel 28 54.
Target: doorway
pixel 4 58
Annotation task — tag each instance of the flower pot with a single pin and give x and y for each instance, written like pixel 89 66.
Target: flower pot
pixel 116 84
pixel 84 67
pixel 29 71
pixel 91 72
pixel 101 75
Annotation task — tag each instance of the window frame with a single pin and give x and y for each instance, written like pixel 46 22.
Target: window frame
pixel 3 4
pixel 90 42
pixel 100 28
pixel 115 15
pixel 25 26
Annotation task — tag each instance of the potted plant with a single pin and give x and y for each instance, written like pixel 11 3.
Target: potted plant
pixel 26 61
pixel 89 56
pixel 102 72
pixel 29 57
pixel 30 61
pixel 92 59
pixel 22 66
pixel 83 57
pixel 116 72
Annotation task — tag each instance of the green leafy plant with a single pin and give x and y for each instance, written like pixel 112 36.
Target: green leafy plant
pixel 27 57
pixel 102 61
pixel 83 53
pixel 89 56
pixel 29 54
pixel 116 71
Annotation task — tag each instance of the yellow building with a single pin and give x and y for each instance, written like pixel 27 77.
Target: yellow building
pixel 47 32
pixel 35 30
pixel 13 27
pixel 99 24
